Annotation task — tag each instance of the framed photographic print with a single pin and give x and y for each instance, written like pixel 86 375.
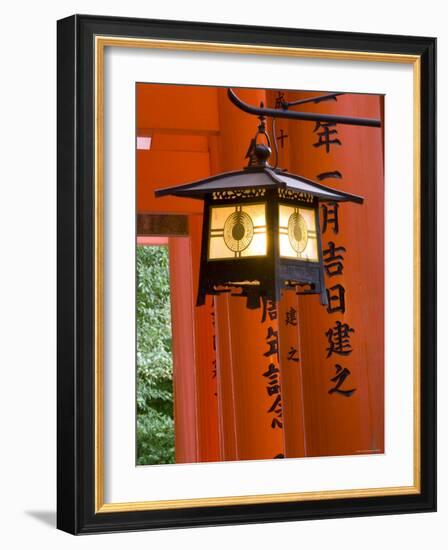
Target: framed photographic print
pixel 246 274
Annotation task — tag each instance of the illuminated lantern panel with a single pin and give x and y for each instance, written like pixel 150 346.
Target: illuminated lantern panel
pixel 297 233
pixel 237 231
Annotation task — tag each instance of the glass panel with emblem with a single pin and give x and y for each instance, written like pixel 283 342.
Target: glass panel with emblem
pixel 237 231
pixel 297 233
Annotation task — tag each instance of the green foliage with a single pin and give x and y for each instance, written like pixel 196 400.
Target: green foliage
pixel 155 423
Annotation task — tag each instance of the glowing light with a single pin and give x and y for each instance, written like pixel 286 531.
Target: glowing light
pixel 237 231
pixel 297 233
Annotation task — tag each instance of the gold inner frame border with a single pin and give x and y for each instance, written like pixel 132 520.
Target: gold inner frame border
pixel 100 43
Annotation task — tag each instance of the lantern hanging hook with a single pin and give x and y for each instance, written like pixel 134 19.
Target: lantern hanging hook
pixel 261 129
pixel 258 153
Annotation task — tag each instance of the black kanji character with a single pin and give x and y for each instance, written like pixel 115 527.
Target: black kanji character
pixel 341 375
pixel 271 372
pixel 336 299
pixel 339 339
pixel 273 343
pixel 327 130
pixel 268 308
pixel 277 401
pixel 292 355
pixel 330 216
pixel 334 174
pixel 291 317
pixel 333 260
pixel 282 137
pixel 272 390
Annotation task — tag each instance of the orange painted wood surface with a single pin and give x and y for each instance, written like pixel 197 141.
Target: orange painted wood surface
pixel 175 108
pixel 158 169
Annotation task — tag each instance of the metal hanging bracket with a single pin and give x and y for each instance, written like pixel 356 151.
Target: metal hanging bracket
pixel 300 115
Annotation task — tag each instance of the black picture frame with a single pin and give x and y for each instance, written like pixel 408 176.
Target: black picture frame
pixel 76 272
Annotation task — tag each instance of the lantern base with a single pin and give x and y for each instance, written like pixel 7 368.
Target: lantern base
pixel 256 292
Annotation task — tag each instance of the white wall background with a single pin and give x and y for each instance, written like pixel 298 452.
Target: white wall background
pixel 28 267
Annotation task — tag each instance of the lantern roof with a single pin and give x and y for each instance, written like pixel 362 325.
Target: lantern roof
pixel 264 177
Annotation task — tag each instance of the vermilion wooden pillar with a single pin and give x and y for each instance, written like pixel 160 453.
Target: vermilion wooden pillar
pixel 205 357
pixel 184 364
pixel 247 358
pixel 294 436
pixel 194 373
pixel 337 420
pixel 291 376
pixel 227 410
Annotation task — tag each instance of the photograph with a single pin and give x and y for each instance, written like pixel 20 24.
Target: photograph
pixel 259 274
